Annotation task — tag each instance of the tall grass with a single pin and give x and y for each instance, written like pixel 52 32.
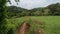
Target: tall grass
pixel 51 26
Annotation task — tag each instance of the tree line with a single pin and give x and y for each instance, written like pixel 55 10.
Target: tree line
pixel 50 10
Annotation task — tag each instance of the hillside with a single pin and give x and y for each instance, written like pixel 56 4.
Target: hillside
pixel 50 10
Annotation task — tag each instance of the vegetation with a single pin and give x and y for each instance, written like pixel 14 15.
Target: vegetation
pixel 50 10
pixel 48 15
pixel 52 23
pixel 3 17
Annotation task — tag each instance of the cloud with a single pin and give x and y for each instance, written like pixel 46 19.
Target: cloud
pixel 32 3
pixel 29 4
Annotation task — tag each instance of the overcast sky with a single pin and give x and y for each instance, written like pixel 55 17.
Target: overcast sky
pixel 29 4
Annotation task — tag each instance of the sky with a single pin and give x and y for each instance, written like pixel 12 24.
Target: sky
pixel 30 4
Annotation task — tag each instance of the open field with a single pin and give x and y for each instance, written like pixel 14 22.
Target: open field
pixel 50 24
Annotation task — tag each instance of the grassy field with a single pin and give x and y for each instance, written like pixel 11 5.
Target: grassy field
pixel 51 23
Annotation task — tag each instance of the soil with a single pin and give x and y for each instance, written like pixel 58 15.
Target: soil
pixel 25 27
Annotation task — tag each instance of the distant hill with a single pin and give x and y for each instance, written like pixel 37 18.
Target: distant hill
pixel 50 10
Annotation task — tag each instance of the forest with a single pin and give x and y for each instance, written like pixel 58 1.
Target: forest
pixel 50 10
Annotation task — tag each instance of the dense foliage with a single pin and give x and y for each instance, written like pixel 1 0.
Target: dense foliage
pixel 3 16
pixel 54 9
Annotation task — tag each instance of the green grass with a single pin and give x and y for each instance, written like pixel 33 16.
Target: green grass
pixel 52 23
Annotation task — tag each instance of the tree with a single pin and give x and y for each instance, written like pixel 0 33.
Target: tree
pixel 54 9
pixel 15 1
pixel 3 15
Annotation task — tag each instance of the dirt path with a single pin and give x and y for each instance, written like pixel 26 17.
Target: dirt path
pixel 25 27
